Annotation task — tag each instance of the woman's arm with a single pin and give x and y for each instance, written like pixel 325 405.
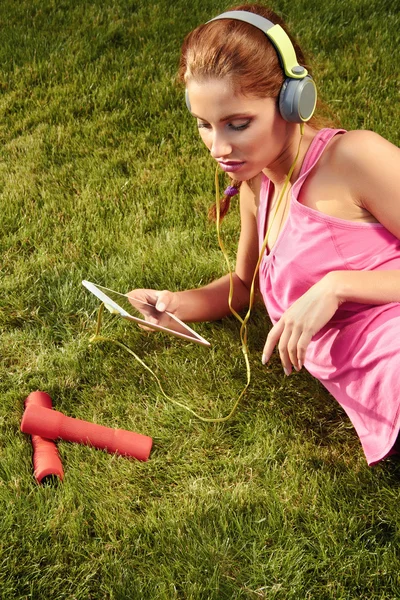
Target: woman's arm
pixel 210 302
pixel 371 165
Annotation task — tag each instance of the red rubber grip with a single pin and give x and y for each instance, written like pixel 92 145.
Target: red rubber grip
pixel 46 461
pixel 52 424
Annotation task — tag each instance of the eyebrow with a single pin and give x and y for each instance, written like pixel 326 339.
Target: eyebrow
pixel 227 118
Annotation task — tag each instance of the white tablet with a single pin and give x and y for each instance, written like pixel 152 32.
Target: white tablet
pixel 134 310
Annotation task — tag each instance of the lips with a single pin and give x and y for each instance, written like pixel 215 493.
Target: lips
pixel 230 166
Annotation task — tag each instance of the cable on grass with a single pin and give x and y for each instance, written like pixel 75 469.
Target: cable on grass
pixel 243 321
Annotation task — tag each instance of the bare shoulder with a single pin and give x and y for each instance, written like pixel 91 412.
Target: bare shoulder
pixel 362 160
pixel 361 150
pixel 354 178
pixel 370 164
pixel 250 194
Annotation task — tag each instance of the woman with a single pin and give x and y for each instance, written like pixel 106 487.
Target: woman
pixel 330 271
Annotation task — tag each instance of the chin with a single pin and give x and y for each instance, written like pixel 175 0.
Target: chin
pixel 246 175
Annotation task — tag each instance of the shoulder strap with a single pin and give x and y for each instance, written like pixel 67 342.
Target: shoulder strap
pixel 317 147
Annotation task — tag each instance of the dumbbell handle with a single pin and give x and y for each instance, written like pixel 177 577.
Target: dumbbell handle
pixel 46 461
pixel 52 424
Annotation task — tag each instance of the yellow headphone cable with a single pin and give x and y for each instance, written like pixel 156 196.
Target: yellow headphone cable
pixel 243 321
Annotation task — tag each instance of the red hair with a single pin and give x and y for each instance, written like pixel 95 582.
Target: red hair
pixel 238 51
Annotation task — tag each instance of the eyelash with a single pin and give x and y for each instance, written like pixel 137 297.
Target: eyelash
pixel 235 128
pixel 240 127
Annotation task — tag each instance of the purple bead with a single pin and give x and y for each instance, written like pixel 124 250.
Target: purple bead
pixel 231 191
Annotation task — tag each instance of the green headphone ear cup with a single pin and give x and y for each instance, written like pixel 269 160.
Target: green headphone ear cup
pixel 297 99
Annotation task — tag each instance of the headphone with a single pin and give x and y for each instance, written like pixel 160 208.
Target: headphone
pixel 298 94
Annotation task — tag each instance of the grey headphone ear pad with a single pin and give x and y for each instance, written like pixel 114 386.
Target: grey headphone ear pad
pixel 297 99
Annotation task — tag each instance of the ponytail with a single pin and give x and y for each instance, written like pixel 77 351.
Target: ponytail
pixel 225 201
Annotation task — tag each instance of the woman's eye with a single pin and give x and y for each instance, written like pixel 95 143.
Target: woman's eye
pixel 240 125
pixel 203 125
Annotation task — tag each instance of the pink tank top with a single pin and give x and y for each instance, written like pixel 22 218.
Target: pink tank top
pixel 353 352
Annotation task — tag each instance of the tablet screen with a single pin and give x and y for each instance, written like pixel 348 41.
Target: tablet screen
pixel 142 313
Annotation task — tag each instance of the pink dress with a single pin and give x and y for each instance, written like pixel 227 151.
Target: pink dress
pixel 356 356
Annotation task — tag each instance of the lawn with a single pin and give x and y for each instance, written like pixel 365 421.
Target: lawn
pixel 103 177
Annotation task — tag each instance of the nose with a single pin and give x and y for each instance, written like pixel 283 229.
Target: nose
pixel 220 146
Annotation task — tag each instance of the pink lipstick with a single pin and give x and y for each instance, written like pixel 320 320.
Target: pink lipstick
pixel 230 166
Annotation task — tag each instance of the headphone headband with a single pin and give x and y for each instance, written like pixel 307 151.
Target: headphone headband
pixel 278 37
pixel 298 95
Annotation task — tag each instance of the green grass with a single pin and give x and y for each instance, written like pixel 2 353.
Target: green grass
pixel 102 177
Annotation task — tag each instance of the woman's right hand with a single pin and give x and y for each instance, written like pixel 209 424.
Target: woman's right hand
pixel 162 301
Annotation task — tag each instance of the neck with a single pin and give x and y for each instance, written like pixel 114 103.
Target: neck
pixel 278 171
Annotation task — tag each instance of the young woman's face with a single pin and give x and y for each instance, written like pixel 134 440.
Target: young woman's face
pixel 244 134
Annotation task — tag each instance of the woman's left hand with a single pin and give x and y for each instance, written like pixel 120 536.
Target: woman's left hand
pixel 295 329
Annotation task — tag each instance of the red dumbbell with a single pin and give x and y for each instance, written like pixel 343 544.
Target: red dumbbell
pixel 46 460
pixel 51 424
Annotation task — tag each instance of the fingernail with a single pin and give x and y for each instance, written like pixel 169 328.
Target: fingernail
pixel 160 306
pixel 286 371
pixel 300 365
pixel 263 359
